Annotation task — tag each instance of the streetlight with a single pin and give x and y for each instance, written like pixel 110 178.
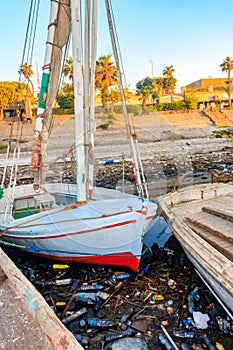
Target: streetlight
pixel 152 68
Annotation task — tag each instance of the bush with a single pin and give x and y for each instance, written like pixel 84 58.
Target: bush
pixel 104 126
pixel 63 111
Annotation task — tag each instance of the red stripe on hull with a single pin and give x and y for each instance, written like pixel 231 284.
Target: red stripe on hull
pixel 126 259
pixel 71 233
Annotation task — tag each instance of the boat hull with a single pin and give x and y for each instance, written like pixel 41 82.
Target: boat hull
pixel 212 260
pixel 106 231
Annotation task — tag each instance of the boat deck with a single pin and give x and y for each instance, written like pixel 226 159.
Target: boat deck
pixel 26 321
pixel 211 219
pixel 18 329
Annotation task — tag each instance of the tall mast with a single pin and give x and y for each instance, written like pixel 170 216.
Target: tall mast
pixel 91 127
pixel 78 99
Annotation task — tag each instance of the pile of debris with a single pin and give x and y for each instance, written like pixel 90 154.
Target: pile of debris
pixel 163 306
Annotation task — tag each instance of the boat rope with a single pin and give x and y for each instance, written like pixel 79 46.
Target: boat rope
pixel 119 66
pixel 30 32
pixel 36 250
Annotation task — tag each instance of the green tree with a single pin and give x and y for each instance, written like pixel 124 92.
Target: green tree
pixel 7 94
pixel 146 88
pixel 27 71
pixel 105 77
pixel 227 66
pixel 11 93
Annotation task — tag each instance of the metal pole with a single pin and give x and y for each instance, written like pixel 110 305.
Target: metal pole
pixel 152 68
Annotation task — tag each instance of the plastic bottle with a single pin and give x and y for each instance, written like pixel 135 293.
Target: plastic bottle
pixel 219 346
pixel 44 283
pixel 86 298
pixel 163 340
pixel 184 346
pixel 214 313
pixel 123 276
pixel 127 316
pixel 98 323
pixel 60 266
pixel 170 259
pixel 191 305
pixel 183 334
pixel 189 323
pixel 32 275
pixel 117 335
pixel 63 282
pixel 81 339
pixel 74 285
pixel 74 315
pixel 208 343
pixel 195 294
pixel 94 287
pixel 182 260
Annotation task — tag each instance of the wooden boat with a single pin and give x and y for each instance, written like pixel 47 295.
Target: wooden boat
pixel 33 324
pixel 201 219
pixel 76 223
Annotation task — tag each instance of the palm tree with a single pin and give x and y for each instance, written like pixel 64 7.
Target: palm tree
pixel 227 66
pixel 27 71
pixel 168 71
pixel 170 82
pixel 68 69
pixel 105 77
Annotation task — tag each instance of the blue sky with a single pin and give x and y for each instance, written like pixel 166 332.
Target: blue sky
pixel 194 36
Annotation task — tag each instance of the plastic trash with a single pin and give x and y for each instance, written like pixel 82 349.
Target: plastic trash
pixel 74 315
pixel 183 334
pixel 128 344
pixel 191 304
pixel 98 323
pixel 86 298
pixel 208 343
pixel 94 287
pixel 82 340
pixel 165 342
pixel 60 266
pixel 214 313
pixel 184 346
pixel 170 258
pixel 123 276
pixel 118 335
pixel 195 294
pixel 32 275
pixel 201 320
pixel 182 260
pixel 127 316
pixel 63 282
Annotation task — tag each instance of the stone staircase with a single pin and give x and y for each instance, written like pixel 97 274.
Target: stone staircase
pixel 191 119
pixel 221 119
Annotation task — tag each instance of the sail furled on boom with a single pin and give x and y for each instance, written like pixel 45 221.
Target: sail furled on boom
pixel 58 33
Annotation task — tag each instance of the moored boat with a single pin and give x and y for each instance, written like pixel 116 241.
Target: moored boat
pixel 76 223
pixel 201 219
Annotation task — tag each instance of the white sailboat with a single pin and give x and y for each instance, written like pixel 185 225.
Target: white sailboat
pixel 76 223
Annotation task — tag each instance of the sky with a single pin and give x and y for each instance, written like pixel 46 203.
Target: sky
pixel 194 36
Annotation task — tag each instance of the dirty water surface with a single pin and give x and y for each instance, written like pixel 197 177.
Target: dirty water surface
pixel 108 308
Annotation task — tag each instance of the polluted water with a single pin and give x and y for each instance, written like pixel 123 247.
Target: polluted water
pixel 163 306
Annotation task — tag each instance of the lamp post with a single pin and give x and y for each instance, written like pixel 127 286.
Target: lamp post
pixel 152 68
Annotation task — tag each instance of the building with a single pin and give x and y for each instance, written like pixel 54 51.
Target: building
pixel 210 91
